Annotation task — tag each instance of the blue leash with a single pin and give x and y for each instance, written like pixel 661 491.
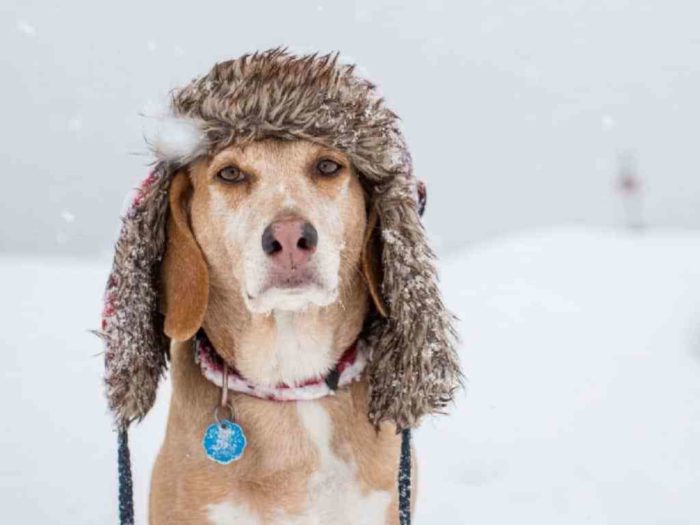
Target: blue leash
pixel 126 488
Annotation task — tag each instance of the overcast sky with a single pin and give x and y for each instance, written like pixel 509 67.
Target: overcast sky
pixel 515 111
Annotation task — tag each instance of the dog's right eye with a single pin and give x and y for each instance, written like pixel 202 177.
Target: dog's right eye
pixel 328 168
pixel 231 174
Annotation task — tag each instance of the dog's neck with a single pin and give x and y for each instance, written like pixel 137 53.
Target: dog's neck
pixel 284 346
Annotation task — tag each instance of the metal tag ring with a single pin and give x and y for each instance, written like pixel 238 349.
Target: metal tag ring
pixel 230 411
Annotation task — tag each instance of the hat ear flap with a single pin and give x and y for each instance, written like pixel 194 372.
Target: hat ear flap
pixel 414 368
pixel 184 272
pixel 372 261
pixel 132 325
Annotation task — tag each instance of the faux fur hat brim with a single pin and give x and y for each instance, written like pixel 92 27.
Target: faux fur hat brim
pixel 414 368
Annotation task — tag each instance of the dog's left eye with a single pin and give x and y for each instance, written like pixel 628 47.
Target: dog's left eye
pixel 231 174
pixel 327 167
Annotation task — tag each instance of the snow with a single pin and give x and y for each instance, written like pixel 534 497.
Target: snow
pixel 607 122
pixel 58 455
pixel 75 123
pixel 583 401
pixel 582 349
pixel 67 216
pixel 25 27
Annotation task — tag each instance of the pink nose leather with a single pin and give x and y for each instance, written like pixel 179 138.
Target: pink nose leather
pixel 290 243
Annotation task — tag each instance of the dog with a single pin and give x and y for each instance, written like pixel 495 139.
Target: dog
pixel 282 317
pixel 275 257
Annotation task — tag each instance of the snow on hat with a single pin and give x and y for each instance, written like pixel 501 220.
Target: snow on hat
pixel 413 369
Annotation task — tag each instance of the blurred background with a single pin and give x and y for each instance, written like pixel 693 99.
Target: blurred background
pixel 559 143
pixel 517 113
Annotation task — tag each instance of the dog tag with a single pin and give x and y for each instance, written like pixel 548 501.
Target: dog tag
pixel 224 441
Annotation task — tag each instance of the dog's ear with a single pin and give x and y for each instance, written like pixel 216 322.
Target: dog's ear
pixel 372 261
pixel 184 272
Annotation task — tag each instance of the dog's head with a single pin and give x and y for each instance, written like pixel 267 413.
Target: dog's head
pixel 280 224
pixel 299 182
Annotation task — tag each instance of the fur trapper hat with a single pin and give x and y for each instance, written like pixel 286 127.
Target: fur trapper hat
pixel 413 368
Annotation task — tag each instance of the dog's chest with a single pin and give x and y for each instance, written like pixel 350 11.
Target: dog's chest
pixel 334 491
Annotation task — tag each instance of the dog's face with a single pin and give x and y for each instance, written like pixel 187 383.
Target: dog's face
pixel 279 222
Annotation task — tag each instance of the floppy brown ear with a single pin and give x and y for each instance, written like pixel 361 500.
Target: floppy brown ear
pixel 372 262
pixel 184 272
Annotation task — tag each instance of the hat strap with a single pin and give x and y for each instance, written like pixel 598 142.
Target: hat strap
pixel 126 487
pixel 405 478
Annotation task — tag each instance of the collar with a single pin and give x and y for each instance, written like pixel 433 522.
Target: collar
pixel 349 368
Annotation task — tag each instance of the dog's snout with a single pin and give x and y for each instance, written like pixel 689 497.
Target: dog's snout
pixel 290 242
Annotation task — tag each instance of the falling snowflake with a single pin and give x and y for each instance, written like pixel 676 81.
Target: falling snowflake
pixel 25 27
pixel 607 122
pixel 75 124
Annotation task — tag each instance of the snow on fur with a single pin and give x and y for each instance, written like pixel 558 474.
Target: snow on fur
pixel 413 368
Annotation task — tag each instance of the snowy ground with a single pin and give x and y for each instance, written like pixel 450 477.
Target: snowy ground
pixel 583 406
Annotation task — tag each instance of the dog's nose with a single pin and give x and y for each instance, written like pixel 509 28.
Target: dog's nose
pixel 290 242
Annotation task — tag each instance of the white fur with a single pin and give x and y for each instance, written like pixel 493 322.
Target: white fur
pixel 226 513
pixel 174 139
pixel 297 356
pixel 245 227
pixel 334 494
pixel 290 300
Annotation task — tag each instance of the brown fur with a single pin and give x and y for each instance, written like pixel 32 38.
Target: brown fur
pixel 202 286
pixel 413 367
pixel 274 471
pixel 185 275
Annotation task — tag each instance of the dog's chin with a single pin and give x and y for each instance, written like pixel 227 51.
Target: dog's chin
pixel 290 299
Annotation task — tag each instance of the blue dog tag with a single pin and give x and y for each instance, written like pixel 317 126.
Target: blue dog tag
pixel 224 441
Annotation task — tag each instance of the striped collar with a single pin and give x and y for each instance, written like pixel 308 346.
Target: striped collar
pixel 349 368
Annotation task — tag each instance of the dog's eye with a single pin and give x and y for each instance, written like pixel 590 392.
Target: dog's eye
pixel 231 174
pixel 327 167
